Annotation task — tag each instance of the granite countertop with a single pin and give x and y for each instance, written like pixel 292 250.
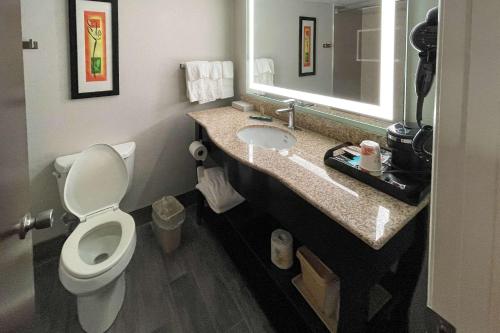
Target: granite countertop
pixel 372 216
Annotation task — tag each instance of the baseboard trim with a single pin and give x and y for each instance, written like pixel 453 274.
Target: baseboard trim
pixel 51 249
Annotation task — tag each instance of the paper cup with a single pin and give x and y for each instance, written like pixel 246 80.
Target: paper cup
pixel 371 159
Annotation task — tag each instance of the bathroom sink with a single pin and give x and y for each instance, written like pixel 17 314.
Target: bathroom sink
pixel 267 137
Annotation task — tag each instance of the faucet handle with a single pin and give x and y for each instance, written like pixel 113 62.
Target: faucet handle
pixel 303 104
pixel 291 102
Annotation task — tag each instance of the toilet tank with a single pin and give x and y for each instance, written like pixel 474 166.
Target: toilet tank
pixel 63 164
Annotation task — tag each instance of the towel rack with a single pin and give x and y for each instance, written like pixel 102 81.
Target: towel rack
pixel 182 66
pixel 30 44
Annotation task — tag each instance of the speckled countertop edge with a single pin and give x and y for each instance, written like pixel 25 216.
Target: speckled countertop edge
pixel 372 216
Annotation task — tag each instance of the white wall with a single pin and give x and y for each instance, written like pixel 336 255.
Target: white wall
pixel 277 37
pixel 464 265
pixel 155 37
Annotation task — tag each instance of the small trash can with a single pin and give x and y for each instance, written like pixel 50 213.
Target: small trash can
pixel 168 217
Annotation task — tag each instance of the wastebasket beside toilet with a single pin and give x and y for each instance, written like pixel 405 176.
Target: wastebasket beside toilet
pixel 168 216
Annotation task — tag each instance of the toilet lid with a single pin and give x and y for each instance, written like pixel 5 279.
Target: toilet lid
pixel 97 180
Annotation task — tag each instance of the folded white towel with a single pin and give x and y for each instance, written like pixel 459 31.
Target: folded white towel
pixel 228 70
pixel 216 70
pixel 203 91
pixel 263 66
pixel 197 70
pixel 195 90
pixel 266 78
pixel 217 190
pixel 227 88
pixel 256 67
pixel 209 81
pixel 200 88
pixel 264 71
pixel 212 91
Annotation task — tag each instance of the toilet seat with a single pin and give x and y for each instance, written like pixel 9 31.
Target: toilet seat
pixel 71 255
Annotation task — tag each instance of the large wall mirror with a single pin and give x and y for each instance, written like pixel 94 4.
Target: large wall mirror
pixel 344 54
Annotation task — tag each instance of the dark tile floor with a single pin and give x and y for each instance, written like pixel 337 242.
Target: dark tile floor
pixel 195 289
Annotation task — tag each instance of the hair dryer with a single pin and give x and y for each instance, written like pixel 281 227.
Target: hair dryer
pixel 424 38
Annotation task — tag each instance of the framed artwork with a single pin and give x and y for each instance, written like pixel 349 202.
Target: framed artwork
pixel 93 39
pixel 307 46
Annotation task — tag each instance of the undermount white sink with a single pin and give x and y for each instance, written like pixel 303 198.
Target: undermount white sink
pixel 267 137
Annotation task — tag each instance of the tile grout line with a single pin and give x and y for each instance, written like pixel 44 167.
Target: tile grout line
pixel 212 318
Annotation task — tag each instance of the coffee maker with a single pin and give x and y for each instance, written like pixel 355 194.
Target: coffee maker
pixel 411 143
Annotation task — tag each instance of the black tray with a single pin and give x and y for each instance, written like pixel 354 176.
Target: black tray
pixel 408 187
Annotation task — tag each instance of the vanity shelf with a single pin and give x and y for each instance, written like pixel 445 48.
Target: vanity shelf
pixel 246 237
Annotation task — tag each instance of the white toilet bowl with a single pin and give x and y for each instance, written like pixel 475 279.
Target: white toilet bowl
pixel 95 255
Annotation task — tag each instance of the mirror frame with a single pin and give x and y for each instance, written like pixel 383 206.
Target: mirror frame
pixel 383 111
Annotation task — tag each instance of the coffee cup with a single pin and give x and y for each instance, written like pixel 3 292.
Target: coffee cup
pixel 371 159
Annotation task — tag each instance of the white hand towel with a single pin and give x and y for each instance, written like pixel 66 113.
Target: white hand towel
pixel 212 89
pixel 226 84
pixel 264 71
pixel 196 70
pixel 209 81
pixel 217 190
pixel 265 65
pixel 228 70
pixel 215 83
pixel 270 64
pixel 196 90
pixel 197 81
pixel 216 70
pixel 266 78
pixel 227 88
pixel 257 68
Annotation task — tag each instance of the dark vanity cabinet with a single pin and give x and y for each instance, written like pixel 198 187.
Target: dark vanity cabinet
pixel 245 233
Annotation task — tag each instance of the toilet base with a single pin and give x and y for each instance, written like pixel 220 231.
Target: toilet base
pixel 98 311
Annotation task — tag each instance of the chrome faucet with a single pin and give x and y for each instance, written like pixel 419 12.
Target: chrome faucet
pixel 292 104
pixel 291 112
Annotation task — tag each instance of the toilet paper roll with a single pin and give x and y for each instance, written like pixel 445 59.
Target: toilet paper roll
pixel 282 249
pixel 198 151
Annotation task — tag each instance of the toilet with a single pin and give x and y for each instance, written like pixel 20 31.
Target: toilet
pixel 95 255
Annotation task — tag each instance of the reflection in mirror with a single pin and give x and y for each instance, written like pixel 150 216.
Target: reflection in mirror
pixel 332 48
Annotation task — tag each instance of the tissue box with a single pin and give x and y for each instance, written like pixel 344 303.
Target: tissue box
pixel 243 106
pixel 320 281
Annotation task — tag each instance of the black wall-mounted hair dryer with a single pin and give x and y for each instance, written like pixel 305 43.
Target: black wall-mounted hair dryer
pixel 411 143
pixel 424 38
